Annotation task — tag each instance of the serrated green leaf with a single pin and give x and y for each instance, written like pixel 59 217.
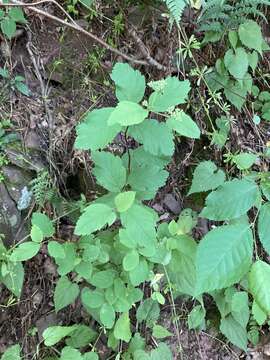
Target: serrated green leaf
pixel 263 226
pixel 124 201
pixel 94 218
pixel 148 311
pixel 236 94
pixel 162 352
pixel 259 284
pixel 244 160
pixel 174 92
pixel 24 251
pixel 129 83
pixel 36 234
pixel 92 298
pixel 56 250
pixel 43 223
pixel 66 264
pixel 107 315
pixel 140 273
pixel 253 59
pixel 8 27
pixel 90 356
pixel 22 88
pixel 109 171
pixel 231 200
pixel 16 13
pixel 81 336
pixel 156 137
pixel 196 317
pixel 206 177
pixel 250 35
pixel 258 313
pixel 122 328
pixel 127 113
pixel 13 280
pixel 237 63
pixel 68 353
pixel 53 334
pixel 234 332
pixel 160 332
pixel 65 293
pixel 223 257
pixel 103 279
pixel 240 308
pixel 131 260
pixel 94 133
pixel 184 125
pixel 12 353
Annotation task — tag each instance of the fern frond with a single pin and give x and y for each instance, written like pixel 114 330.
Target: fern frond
pixel 176 8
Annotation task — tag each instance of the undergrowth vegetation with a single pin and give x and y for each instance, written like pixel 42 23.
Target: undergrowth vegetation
pixel 123 263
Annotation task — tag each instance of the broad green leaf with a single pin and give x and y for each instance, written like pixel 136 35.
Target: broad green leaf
pixel 94 218
pixel 90 355
pixel 103 279
pixel 8 27
pixel 22 88
pixel 109 171
pixel 233 38
pixel 233 331
pixel 53 334
pixel 244 160
pixel 91 252
pixel 66 264
pixel 56 250
pixel 65 293
pixel 140 157
pixel 24 251
pixel 140 273
pixel 231 200
pixel 68 353
pixel 259 284
pixel 253 59
pixel 236 94
pixel 181 269
pixel 196 317
pixel 131 260
pixel 16 13
pixel 223 257
pixel 124 200
pixel 81 336
pixel 173 92
pixel 107 315
pixel 237 63
pixel 43 223
pixel 92 298
pixel 183 125
pixel 156 137
pixel 160 332
pixel 94 133
pixel 265 187
pixel 87 3
pixel 206 177
pixel 162 352
pixel 13 280
pixel 122 328
pixel 148 311
pixel 36 234
pixel 129 83
pixel 12 353
pixel 263 226
pixel 140 222
pixel 259 315
pixel 240 308
pixel 127 113
pixel 250 35
pixel 84 269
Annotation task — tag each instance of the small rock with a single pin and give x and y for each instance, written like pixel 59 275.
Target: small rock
pixel 172 204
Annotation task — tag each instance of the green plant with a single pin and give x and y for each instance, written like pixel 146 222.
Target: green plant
pixel 9 18
pixel 15 83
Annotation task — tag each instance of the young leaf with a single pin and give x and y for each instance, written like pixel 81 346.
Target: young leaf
pixel 259 284
pixel 240 308
pixel 160 332
pixel 223 257
pixel 53 334
pixel 103 279
pixel 131 260
pixel 24 251
pixel 65 293
pixel 127 113
pixel 8 27
pixel 196 317
pixel 94 133
pixel 236 63
pixel 66 264
pixel 148 311
pixel 12 353
pixel 107 315
pixel 13 280
pixel 263 226
pixel 156 137
pixel 109 171
pixel 206 177
pixel 140 273
pixel 234 332
pixel 22 88
pixel 183 125
pixel 56 250
pixel 81 336
pixel 16 13
pixel 244 160
pixel 250 35
pixel 43 223
pixel 231 200
pixel 36 234
pixel 129 83
pixel 162 352
pixel 122 328
pixel 259 315
pixel 90 355
pixel 92 299
pixel 68 353
pixel 94 218
pixel 124 200
pixel 172 93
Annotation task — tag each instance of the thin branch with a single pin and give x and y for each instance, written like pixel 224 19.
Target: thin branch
pixel 73 25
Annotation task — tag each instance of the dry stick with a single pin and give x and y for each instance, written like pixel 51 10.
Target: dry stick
pixel 74 26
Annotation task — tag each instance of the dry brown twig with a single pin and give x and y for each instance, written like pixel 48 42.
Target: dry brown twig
pixel 73 25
